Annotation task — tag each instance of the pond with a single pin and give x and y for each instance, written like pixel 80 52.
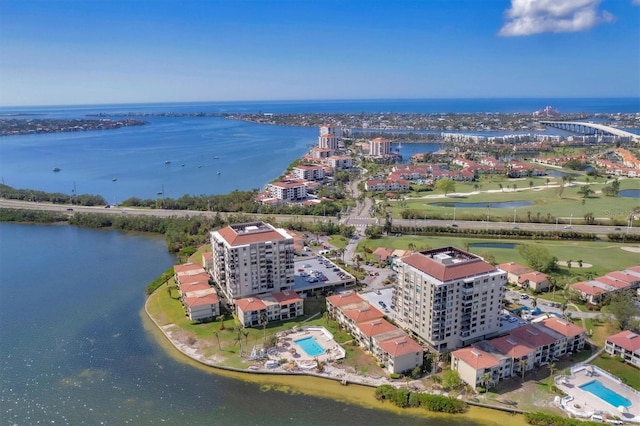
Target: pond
pixel 560 173
pixel 494 245
pixel 501 205
pixel 630 193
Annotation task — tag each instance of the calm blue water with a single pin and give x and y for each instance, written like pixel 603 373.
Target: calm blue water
pixel 630 193
pixel 606 394
pixel 74 351
pixel 458 105
pixel 310 346
pixel 500 205
pixel 251 155
pixel 493 245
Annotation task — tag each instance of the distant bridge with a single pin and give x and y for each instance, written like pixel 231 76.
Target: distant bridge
pixel 590 129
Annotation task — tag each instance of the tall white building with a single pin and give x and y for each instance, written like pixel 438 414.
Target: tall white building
pixel 328 129
pixel 448 297
pixel 328 142
pixel 380 146
pixel 251 259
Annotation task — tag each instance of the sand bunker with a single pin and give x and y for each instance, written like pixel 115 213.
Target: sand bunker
pixel 631 249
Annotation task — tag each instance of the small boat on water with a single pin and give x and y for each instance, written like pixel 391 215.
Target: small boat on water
pixel 216 158
pixel 167 162
pixel 219 172
pixel 199 166
pixel 56 169
pixel 114 179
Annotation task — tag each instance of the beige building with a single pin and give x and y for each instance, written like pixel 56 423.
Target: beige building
pixel 279 306
pixel 389 344
pixel 288 190
pixel 252 258
pixel 625 345
pixel 448 297
pixel 379 146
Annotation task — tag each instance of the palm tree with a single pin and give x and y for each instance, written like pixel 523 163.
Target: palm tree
pixel 215 333
pixel 264 320
pixel 221 319
pixel 552 370
pixel 523 367
pixel 485 380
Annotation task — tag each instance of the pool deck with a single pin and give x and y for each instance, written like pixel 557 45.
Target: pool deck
pixel 584 404
pixel 287 348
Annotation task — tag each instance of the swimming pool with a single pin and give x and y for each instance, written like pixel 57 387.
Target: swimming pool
pixel 310 346
pixel 606 394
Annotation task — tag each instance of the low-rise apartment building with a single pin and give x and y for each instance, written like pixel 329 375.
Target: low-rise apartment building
pixel 309 172
pixel 288 190
pixel 523 349
pixel 278 306
pixel 389 344
pixel 198 298
pixel 625 345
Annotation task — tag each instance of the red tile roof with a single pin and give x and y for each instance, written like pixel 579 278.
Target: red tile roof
pixel 240 237
pixel 514 268
pixel 566 328
pixel 199 298
pixel 250 304
pixel 400 346
pixel 363 314
pixel 623 276
pixel 511 346
pixel 342 299
pixel 193 286
pixel 532 336
pixel 375 327
pixel 586 288
pixel 186 267
pixel 476 358
pixel 627 340
pixel 469 267
pixel 286 297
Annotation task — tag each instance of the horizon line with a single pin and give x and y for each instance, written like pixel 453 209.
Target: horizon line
pixel 317 100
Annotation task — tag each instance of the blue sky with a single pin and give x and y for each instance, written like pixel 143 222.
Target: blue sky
pixel 56 52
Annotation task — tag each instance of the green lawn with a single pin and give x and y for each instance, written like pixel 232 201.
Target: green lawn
pixel 628 374
pixel 604 256
pixel 546 203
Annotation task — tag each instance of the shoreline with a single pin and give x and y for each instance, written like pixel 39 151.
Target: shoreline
pixel 342 392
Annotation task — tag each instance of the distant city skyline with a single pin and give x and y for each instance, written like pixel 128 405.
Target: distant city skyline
pixel 66 52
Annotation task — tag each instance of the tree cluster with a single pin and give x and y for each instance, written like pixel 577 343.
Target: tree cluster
pixel 403 398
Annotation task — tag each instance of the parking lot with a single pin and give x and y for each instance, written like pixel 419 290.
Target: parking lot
pixel 314 273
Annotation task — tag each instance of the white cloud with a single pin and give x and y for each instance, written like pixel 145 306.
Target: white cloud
pixel 527 17
pixel 635 2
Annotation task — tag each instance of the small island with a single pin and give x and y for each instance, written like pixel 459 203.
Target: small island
pixel 15 126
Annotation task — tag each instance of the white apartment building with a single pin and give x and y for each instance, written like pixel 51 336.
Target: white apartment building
pixel 448 297
pixel 380 146
pixel 288 190
pixel 251 259
pixel 329 142
pixel 308 172
pixel 328 129
pixel 339 162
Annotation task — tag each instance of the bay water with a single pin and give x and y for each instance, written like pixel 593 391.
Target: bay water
pixel 75 347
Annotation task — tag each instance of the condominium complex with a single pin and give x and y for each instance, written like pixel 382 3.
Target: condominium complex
pixel 289 190
pixel 251 259
pixel 448 297
pixel 380 146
